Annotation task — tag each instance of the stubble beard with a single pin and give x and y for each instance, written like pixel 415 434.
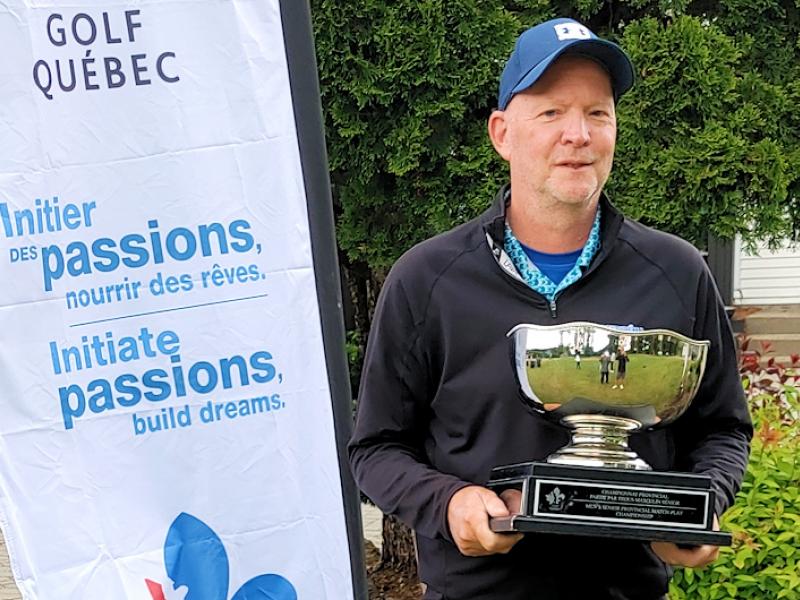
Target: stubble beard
pixel 572 198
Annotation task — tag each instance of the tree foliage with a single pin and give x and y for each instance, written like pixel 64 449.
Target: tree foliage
pixel 709 138
pixel 704 144
pixel 406 87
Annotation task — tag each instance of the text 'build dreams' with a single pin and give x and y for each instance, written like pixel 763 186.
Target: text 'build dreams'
pixel 149 388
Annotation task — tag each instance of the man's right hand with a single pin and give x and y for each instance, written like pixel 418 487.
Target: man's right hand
pixel 468 516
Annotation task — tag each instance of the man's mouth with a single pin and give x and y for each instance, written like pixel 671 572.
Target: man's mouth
pixel 573 164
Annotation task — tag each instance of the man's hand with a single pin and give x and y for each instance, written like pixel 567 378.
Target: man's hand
pixel 699 556
pixel 468 516
pixel 512 499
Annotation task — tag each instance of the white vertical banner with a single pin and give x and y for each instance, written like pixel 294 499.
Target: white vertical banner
pixel 167 429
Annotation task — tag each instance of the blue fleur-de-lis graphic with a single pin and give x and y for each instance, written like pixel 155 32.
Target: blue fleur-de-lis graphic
pixel 195 557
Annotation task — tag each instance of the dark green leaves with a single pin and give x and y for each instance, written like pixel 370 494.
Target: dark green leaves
pixel 709 138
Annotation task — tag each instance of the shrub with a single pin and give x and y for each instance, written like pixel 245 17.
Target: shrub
pixel 764 561
pixel 708 139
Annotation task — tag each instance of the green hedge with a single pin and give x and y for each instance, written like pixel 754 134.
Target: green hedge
pixel 709 138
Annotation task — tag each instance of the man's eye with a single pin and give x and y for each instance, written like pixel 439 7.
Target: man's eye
pixel 550 113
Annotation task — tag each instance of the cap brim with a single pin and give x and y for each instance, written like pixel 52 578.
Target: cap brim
pixel 607 53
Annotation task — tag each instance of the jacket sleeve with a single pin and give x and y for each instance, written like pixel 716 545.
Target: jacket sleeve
pixel 713 436
pixel 387 451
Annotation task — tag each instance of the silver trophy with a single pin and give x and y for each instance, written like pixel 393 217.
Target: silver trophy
pixel 604 383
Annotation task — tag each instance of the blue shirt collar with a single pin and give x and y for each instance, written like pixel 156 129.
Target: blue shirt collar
pixel 537 280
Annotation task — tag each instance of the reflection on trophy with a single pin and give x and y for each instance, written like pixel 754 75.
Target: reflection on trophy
pixel 625 381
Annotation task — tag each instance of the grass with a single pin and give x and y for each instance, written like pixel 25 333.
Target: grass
pixel 649 380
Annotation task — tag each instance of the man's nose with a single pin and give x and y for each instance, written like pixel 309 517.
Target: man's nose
pixel 576 130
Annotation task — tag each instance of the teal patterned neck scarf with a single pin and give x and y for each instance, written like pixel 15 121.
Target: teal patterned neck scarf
pixel 538 281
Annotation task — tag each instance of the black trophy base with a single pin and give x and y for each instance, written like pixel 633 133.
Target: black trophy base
pixel 611 503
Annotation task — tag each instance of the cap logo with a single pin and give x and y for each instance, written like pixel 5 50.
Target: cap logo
pixel 572 31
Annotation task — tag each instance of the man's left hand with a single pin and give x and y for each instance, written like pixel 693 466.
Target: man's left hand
pixel 699 556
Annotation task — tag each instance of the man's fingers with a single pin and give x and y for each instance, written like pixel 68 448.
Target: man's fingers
pixel 702 556
pixel 699 556
pixel 691 557
pixel 495 543
pixel 469 513
pixel 499 543
pixel 495 507
pixel 512 499
pixel 492 542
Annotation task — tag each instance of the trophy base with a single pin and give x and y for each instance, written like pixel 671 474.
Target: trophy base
pixel 611 503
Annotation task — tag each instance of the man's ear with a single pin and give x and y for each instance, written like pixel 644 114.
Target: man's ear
pixel 498 133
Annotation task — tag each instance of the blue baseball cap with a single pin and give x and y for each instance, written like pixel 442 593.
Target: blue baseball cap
pixel 538 47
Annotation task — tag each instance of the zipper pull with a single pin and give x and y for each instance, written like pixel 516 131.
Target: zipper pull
pixel 553 308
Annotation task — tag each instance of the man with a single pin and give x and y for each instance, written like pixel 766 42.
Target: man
pixel 622 369
pixel 438 404
pixel 605 363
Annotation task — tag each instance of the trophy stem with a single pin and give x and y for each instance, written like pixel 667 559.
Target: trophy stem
pixel 600 441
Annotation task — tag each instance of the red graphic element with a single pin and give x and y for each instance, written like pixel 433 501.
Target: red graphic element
pixel 156 591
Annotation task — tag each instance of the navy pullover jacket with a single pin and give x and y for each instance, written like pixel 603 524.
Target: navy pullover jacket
pixel 439 404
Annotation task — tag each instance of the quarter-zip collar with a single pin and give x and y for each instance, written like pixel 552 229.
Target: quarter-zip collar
pixel 494 220
pixel 541 283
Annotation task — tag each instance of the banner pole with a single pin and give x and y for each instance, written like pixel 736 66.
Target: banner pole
pixel 298 34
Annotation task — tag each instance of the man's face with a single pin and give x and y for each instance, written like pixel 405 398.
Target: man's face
pixel 559 135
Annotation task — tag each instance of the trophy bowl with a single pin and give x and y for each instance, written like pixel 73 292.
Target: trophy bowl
pixel 604 383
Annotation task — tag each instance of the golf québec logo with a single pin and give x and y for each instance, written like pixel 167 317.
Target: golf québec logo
pixel 195 558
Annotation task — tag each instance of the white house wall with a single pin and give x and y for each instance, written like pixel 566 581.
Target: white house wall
pixel 766 276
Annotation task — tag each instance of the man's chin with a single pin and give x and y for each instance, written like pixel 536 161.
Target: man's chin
pixel 579 198
pixel 575 193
